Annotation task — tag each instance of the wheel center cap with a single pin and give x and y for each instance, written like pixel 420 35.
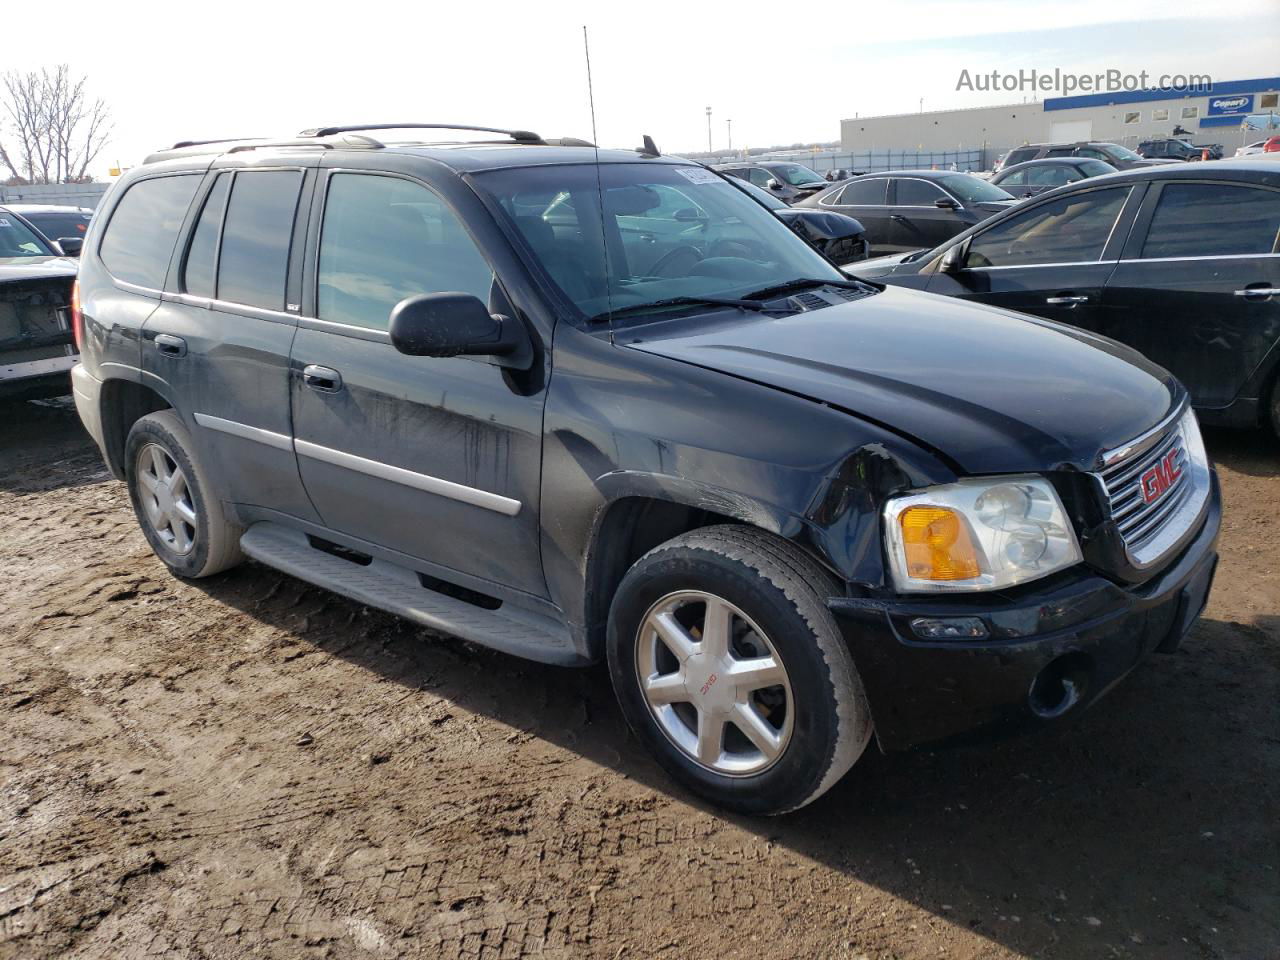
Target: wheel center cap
pixel 708 683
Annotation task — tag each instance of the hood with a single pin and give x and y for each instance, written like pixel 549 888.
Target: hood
pixel 1155 161
pixel 883 266
pixel 994 206
pixel 990 390
pixel 32 268
pixel 819 225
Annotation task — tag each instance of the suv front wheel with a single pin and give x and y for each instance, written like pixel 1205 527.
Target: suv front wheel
pixel 731 670
pixel 184 522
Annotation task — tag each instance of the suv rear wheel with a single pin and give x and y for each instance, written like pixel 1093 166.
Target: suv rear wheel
pixel 731 670
pixel 186 526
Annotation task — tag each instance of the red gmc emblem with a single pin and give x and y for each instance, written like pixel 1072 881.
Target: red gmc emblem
pixel 1157 481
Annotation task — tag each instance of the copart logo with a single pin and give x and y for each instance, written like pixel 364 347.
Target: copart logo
pixel 1228 103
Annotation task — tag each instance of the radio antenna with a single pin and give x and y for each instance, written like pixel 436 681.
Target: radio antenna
pixel 595 142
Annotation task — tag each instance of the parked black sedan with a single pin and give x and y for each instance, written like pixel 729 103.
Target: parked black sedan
pixel 1181 261
pixel 1036 176
pixel 910 209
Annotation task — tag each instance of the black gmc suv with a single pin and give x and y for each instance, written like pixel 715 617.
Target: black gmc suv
pixel 509 391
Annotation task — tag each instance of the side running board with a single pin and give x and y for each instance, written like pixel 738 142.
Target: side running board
pixel 397 589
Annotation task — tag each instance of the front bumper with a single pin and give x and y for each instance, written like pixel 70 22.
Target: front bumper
pixel 1075 634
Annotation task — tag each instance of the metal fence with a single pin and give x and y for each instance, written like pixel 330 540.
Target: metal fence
pixel 69 194
pixel 878 161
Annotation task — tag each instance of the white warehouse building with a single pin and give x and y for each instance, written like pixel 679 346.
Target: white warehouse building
pixel 1210 114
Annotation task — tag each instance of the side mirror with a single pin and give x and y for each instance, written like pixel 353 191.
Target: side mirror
pixel 688 215
pixel 773 184
pixel 71 246
pixel 954 259
pixel 458 325
pixel 946 203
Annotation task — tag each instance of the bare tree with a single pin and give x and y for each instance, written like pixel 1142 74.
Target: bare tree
pixel 54 129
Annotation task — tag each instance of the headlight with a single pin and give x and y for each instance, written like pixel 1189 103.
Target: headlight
pixel 978 535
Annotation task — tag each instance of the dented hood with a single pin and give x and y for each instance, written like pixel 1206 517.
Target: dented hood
pixel 990 390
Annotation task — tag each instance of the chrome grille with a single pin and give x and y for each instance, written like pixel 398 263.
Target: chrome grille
pixel 1138 520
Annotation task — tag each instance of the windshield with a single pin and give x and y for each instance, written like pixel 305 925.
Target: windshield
pixel 796 174
pixel 973 190
pixel 1095 168
pixel 1123 153
pixel 57 224
pixel 18 240
pixel 668 231
pixel 761 194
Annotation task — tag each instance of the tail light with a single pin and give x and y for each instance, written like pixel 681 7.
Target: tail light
pixel 77 319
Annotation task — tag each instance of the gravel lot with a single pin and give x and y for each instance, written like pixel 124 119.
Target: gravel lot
pixel 249 766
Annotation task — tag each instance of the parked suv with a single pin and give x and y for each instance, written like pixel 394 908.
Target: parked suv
pixel 786 181
pixel 505 391
pixel 1122 158
pixel 1176 149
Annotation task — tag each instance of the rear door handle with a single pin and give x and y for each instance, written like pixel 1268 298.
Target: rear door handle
pixel 1069 299
pixel 324 379
pixel 171 346
pixel 1258 291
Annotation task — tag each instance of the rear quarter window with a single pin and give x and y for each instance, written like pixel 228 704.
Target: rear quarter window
pixel 1213 220
pixel 139 238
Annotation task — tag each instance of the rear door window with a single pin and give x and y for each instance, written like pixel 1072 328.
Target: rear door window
pixel 1213 220
pixel 864 193
pixel 1049 176
pixel 384 239
pixel 139 239
pixel 254 258
pixel 1016 179
pixel 1071 229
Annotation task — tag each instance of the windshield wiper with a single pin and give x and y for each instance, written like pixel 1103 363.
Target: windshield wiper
pixel 801 283
pixel 754 306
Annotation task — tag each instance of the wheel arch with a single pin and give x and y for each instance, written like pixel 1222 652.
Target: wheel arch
pixel 641 511
pixel 123 403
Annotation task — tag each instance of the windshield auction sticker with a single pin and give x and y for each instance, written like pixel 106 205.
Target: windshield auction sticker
pixel 698 175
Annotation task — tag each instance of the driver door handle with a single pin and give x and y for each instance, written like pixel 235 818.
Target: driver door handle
pixel 1066 299
pixel 171 346
pixel 323 379
pixel 1259 291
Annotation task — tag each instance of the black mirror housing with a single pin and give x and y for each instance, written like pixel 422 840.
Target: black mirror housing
pixel 458 325
pixel 954 259
pixel 946 203
pixel 71 246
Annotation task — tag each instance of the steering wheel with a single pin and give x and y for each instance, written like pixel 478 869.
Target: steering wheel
pixel 682 257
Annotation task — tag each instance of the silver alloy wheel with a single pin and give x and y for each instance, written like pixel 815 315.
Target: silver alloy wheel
pixel 714 683
pixel 166 498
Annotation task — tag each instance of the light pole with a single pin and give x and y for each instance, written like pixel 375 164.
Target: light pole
pixel 728 124
pixel 708 129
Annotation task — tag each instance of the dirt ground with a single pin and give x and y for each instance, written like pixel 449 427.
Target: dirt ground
pixel 249 766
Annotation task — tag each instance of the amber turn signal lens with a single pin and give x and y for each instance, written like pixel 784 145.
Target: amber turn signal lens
pixel 938 544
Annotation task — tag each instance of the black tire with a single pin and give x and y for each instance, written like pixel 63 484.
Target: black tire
pixel 215 543
pixel 781 590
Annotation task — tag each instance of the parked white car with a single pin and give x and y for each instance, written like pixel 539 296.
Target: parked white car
pixel 1250 149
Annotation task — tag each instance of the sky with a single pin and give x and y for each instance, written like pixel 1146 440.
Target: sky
pixel 781 74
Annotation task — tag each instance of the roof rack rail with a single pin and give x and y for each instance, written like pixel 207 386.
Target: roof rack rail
pixel 521 136
pixel 204 143
pixel 356 142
